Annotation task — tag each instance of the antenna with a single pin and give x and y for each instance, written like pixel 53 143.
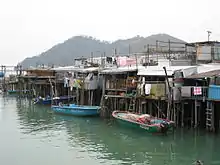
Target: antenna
pixel 209 32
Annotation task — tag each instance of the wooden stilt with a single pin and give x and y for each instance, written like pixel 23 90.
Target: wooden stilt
pixel 139 107
pixel 158 108
pixel 174 113
pixel 150 107
pixel 89 97
pixel 91 101
pixel 196 114
pixel 178 114
pixel 77 96
pixel 213 117
pixel 192 114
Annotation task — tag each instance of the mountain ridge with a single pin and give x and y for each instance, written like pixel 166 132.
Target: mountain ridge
pixel 82 46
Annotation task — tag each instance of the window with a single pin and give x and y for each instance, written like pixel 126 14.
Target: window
pixel 217 52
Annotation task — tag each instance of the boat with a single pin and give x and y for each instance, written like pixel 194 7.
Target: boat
pixel 48 100
pixel 15 92
pixel 76 110
pixel 150 124
pixel 11 92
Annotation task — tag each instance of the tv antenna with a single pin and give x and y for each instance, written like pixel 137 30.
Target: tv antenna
pixel 209 32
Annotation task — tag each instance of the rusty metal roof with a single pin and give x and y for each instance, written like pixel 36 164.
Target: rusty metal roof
pixel 204 74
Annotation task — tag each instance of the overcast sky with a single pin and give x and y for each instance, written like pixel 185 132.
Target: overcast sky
pixel 29 27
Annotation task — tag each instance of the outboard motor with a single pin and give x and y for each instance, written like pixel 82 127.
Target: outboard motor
pixel 198 162
pixel 164 126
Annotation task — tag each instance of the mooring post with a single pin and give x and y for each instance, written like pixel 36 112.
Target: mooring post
pixel 182 117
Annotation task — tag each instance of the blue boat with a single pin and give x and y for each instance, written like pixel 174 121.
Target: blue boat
pixel 14 92
pixel 48 100
pixel 76 110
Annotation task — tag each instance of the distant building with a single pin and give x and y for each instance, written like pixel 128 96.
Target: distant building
pixel 206 52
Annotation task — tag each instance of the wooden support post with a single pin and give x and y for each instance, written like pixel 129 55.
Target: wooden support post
pixel 139 106
pixel 213 117
pixel 77 96
pixel 178 114
pixel 115 104
pixel 196 114
pixel 192 114
pixel 103 95
pixel 174 113
pixel 150 107
pixel 91 100
pixel 158 108
pixel 126 104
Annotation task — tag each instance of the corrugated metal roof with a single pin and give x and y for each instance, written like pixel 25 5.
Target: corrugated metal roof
pixel 205 74
pixel 120 70
pixel 159 71
pixel 208 67
pixel 77 69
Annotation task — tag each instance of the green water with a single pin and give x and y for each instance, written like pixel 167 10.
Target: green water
pixel 33 135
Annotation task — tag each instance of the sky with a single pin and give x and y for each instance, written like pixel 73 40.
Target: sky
pixel 29 27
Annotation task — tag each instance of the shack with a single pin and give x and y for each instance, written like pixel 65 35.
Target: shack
pixel 118 89
pixel 83 82
pixel 203 91
pixel 159 90
pixel 37 81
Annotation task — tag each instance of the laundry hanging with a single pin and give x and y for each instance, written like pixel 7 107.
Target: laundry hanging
pixel 71 83
pixel 66 82
pixel 197 90
pixel 147 89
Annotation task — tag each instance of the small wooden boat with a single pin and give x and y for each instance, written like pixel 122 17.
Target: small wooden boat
pixel 76 110
pixel 151 124
pixel 48 100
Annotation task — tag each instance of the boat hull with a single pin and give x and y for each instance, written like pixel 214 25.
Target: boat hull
pixel 150 128
pixel 77 110
pixel 12 92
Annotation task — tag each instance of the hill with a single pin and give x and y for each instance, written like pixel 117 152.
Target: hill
pixel 82 46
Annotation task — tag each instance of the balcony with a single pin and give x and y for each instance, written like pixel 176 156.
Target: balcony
pixel 194 92
pixel 154 91
pixel 214 92
pixel 120 84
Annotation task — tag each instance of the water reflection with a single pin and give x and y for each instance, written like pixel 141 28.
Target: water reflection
pixel 104 141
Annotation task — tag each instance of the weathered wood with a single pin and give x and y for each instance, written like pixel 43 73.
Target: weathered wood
pixel 192 120
pixel 196 114
pixel 91 100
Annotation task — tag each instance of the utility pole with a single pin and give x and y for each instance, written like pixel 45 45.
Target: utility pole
pixel 91 57
pixel 209 32
pixel 129 49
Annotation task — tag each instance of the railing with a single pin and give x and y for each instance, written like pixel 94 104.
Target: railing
pixel 118 84
pixel 214 92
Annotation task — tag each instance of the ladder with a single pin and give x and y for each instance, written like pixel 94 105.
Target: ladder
pixel 132 105
pixel 209 116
